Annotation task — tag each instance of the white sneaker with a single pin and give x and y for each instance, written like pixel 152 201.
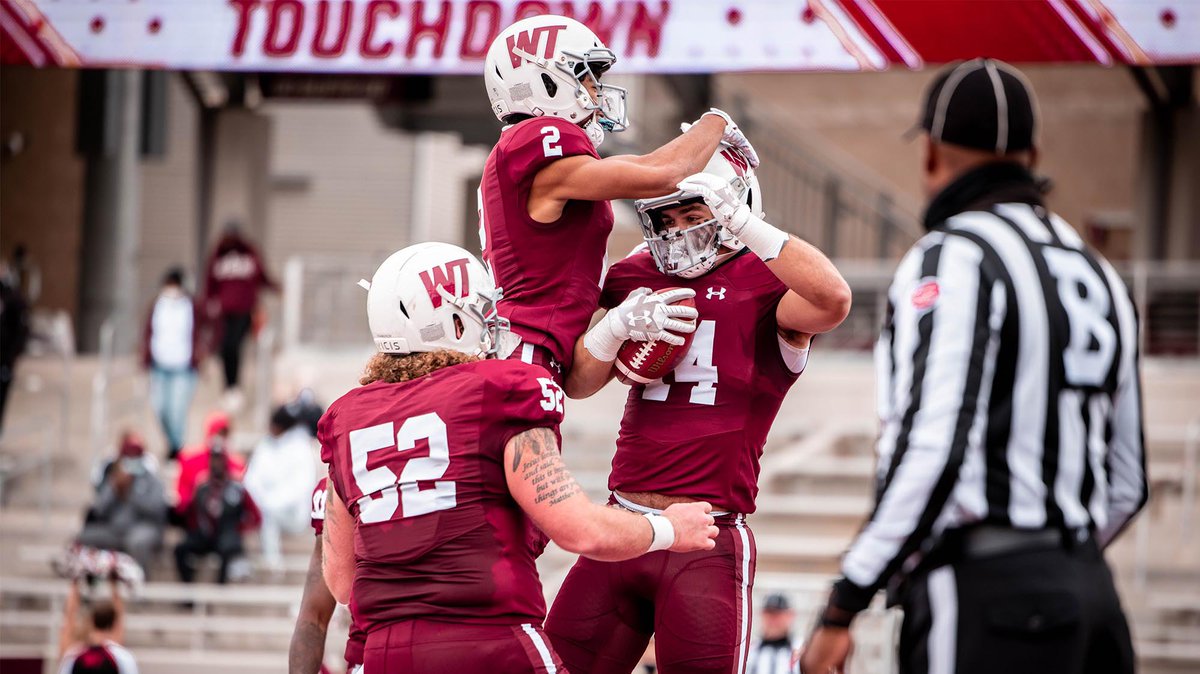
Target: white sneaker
pixel 233 401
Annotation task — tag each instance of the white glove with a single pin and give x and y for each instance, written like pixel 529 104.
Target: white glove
pixel 761 237
pixel 732 136
pixel 642 317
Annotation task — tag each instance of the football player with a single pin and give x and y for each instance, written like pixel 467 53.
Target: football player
pixel 307 650
pixel 544 198
pixel 435 465
pixel 696 434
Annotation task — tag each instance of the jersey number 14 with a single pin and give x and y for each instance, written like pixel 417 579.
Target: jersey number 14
pixel 697 368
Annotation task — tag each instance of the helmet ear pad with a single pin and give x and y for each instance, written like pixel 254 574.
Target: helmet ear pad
pixel 550 85
pixel 433 296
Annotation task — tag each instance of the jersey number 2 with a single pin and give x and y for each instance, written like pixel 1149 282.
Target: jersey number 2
pixel 382 491
pixel 550 146
pixel 696 368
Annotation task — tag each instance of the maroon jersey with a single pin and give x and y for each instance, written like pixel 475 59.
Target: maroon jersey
pixel 700 430
pixel 420 466
pixel 551 273
pixel 357 639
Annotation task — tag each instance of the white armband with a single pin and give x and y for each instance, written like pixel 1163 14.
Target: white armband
pixel 601 342
pixel 793 356
pixel 664 532
pixel 761 237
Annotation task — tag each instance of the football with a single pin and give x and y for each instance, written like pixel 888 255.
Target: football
pixel 644 362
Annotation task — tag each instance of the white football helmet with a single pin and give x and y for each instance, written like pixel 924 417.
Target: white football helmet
pixel 432 296
pixel 537 67
pixel 693 250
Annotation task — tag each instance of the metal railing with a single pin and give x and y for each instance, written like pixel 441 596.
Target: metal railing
pixel 323 305
pixel 1167 296
pixel 842 209
pixel 108 403
pixel 52 339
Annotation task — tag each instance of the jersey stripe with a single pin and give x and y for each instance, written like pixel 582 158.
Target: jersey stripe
pixel 938 418
pixel 540 645
pixel 1014 400
pixel 743 594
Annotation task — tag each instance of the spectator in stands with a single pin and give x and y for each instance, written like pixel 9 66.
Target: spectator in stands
pixel 774 651
pixel 100 651
pixel 193 463
pixel 130 510
pixel 280 478
pixel 25 273
pixel 234 278
pixel 130 447
pixel 171 352
pixel 216 518
pixel 306 410
pixel 14 328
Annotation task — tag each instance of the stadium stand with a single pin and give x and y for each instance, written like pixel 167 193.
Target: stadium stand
pixel 816 487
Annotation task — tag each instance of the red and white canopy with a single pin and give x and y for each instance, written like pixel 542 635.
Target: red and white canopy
pixel 649 36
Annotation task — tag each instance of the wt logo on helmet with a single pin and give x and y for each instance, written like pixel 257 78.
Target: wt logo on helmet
pixel 445 276
pixel 737 160
pixel 527 41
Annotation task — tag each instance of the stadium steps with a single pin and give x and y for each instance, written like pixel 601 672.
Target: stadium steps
pixel 809 514
pixel 222 624
pixel 174 661
pixel 802 554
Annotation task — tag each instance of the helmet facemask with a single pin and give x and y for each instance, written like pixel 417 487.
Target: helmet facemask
pixel 609 103
pixel 481 309
pixel 691 251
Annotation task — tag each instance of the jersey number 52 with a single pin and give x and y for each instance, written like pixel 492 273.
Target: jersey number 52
pixel 384 492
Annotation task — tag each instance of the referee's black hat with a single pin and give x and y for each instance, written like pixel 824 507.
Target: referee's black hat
pixel 983 104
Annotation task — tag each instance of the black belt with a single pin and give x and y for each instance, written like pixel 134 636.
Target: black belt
pixel 987 540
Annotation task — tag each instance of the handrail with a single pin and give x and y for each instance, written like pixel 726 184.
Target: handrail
pixel 1191 447
pixel 844 209
pixel 100 385
pixel 265 363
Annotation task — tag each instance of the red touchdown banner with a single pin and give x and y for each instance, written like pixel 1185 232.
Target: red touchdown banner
pixel 649 36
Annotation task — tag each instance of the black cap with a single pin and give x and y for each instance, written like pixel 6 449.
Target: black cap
pixel 776 602
pixel 983 104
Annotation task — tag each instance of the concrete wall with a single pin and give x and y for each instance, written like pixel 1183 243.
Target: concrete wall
pixel 168 191
pixel 1089 133
pixel 241 175
pixel 41 186
pixel 340 183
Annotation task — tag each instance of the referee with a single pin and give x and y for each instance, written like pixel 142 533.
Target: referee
pixel 1011 450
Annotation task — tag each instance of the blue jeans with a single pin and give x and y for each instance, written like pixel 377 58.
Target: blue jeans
pixel 171 395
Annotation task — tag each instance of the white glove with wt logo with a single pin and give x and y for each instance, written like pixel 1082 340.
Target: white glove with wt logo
pixel 760 236
pixel 643 316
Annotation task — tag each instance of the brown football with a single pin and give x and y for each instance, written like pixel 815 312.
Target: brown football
pixel 644 362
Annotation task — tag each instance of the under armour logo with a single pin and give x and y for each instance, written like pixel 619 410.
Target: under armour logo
pixel 638 320
pixel 718 293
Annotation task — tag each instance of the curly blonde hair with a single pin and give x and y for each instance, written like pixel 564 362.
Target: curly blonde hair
pixel 393 368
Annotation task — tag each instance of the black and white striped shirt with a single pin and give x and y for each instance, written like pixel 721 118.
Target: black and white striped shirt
pixel 1008 390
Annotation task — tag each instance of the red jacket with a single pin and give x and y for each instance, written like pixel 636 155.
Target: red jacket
pixel 234 276
pixel 193 463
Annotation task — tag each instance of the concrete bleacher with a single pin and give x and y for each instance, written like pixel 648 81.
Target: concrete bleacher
pixel 817 482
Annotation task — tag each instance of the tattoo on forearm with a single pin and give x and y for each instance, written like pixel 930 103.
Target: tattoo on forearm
pixel 543 467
